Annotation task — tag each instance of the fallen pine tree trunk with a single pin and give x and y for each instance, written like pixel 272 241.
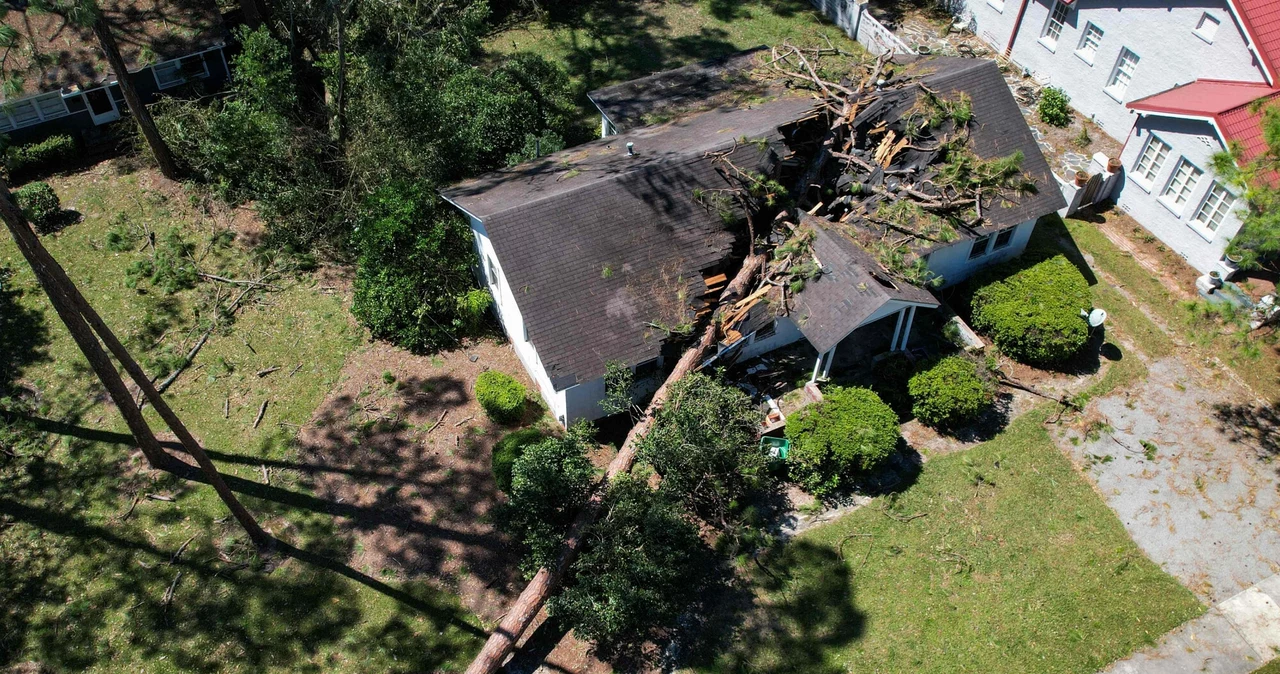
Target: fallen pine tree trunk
pixel 523 612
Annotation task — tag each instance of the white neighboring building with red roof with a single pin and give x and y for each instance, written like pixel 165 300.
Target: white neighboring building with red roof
pixel 1174 79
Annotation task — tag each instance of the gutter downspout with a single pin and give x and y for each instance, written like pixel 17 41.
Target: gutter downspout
pixel 1017 24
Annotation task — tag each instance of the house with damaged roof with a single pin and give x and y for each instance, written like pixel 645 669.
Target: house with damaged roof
pixel 54 77
pixel 613 250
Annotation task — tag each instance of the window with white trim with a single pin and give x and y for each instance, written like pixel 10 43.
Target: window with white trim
pixel 1003 239
pixel 492 269
pixel 997 5
pixel 1207 27
pixel 34 110
pixel 979 247
pixel 179 71
pixel 1122 74
pixel 1089 43
pixel 1217 203
pixel 1181 184
pixel 1053 25
pixel 1151 159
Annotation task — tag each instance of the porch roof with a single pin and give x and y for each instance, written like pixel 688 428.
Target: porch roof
pixel 851 289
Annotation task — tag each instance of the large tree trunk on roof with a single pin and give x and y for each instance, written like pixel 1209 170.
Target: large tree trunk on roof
pixel 160 149
pixel 503 640
pixel 79 316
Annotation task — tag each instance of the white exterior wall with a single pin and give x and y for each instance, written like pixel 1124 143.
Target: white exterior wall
pixel 787 333
pixel 952 263
pixel 504 302
pixel 858 24
pixel 1196 141
pixel 1162 34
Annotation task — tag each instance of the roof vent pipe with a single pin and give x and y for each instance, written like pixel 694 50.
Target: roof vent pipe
pixel 631 149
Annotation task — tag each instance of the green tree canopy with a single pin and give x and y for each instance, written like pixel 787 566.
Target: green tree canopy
pixel 550 482
pixel 1258 241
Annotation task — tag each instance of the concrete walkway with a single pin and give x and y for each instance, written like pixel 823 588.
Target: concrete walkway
pixel 1238 635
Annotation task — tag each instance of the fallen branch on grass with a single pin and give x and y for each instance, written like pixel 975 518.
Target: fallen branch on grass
pixel 261 411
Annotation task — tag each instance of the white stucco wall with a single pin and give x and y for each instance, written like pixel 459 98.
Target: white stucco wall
pixel 1161 32
pixel 952 263
pixel 1197 141
pixel 512 322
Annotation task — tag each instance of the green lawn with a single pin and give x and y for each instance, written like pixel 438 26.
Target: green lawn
pixel 605 42
pixel 999 559
pixel 82 586
pixel 1259 365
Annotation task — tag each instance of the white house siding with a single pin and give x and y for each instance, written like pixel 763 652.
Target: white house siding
pixel 513 323
pixel 1196 141
pixel 1162 34
pixel 952 263
pixel 786 333
pixel 858 24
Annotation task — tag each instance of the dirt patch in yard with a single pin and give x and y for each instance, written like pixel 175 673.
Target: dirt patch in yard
pixel 403 450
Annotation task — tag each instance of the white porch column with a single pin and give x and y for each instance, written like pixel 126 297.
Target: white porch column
pixel 817 367
pixel 831 356
pixel 897 330
pixel 906 334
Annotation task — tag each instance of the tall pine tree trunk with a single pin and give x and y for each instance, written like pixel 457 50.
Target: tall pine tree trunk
pixel 102 30
pixel 252 12
pixel 76 310
pixel 82 335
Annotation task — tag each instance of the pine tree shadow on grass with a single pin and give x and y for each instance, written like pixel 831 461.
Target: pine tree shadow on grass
pixel 804 609
pixel 24 334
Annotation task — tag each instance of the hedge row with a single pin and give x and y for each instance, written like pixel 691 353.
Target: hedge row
pixel 43 156
pixel 1033 314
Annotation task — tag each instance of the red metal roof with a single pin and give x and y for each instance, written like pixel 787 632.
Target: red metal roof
pixel 1227 104
pixel 1261 19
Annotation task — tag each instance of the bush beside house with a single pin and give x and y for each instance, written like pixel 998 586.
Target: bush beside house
pixel 508 449
pixel 46 155
pixel 950 392
pixel 1033 314
pixel 849 433
pixel 501 396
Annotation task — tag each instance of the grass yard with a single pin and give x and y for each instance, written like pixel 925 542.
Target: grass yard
pixel 87 559
pixel 605 42
pixel 1257 363
pixel 998 559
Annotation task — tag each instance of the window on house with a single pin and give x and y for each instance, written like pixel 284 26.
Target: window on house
pixel 997 5
pixel 1183 182
pixel 647 369
pixel 1003 239
pixel 5 124
pixel 491 270
pixel 1217 203
pixel 23 113
pixel 767 331
pixel 1152 158
pixel 979 247
pixel 1122 74
pixel 1053 26
pixel 175 72
pixel 1089 43
pixel 1207 27
pixel 51 106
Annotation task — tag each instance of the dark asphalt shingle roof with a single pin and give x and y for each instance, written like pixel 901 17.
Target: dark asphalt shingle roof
pixel 594 244
pixel 630 104
pixel 847 292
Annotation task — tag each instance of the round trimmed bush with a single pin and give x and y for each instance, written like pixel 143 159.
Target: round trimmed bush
pixel 508 449
pixel 1055 107
pixel 40 204
pixel 501 396
pixel 849 433
pixel 1033 315
pixel 950 392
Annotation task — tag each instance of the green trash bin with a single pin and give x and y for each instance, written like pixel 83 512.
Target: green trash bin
pixel 777 448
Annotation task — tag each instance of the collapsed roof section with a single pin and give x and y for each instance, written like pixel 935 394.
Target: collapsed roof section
pixel 606 251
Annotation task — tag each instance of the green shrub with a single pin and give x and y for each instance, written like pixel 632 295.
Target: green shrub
pixel 508 449
pixel 950 392
pixel 1033 314
pixel 643 567
pixel 1055 107
pixel 849 433
pixel 550 482
pixel 39 157
pixel 413 284
pixel 501 396
pixel 40 204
